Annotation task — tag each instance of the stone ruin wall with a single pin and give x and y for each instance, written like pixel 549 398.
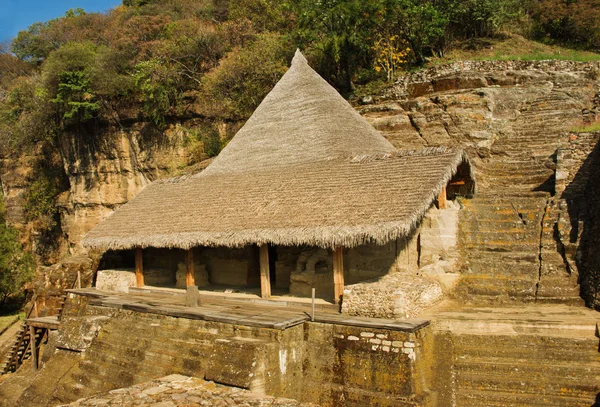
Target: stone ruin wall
pixel 422 274
pixel 100 349
pixel 578 185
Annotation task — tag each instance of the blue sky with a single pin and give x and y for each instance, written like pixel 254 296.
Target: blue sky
pixel 17 15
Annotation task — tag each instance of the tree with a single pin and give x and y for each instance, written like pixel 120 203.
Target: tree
pixel 337 35
pixel 568 21
pixel 390 54
pixel 155 81
pixel 75 98
pixel 244 77
pixel 422 24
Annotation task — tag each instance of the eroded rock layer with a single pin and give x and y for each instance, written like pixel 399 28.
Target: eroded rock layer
pixel 512 117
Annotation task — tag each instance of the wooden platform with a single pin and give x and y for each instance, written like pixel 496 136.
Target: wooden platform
pixel 265 315
pixel 43 322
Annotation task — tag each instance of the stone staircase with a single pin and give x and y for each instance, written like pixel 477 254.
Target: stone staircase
pixel 525 355
pixel 138 347
pixel 508 240
pixel 525 370
pixel 508 230
pixel 509 250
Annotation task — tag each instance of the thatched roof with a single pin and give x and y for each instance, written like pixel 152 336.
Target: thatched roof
pixel 302 120
pixel 293 175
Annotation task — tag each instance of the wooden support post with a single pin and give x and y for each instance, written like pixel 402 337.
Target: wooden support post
pixel 442 199
pixel 33 345
pixel 338 274
pixel 190 280
pixel 265 277
pixel 139 268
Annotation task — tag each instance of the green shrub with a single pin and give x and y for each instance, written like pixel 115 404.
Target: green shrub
pixel 40 198
pixel 74 97
pixel 16 266
pixel 244 77
pixel 203 142
pixel 155 82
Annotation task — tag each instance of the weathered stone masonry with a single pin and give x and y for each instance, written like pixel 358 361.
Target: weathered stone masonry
pixel 326 364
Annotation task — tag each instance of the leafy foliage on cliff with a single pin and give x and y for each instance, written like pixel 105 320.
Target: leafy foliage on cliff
pixel 151 56
pixel 16 266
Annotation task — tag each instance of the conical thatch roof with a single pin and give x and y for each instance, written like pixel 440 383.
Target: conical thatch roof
pixel 303 119
pixel 305 169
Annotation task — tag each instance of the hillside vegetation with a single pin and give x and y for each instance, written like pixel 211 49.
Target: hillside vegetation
pixel 148 55
pixel 149 61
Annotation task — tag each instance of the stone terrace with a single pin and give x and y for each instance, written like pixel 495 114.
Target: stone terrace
pixel 254 313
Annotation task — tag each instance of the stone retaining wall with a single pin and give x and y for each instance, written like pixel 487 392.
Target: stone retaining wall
pixel 101 349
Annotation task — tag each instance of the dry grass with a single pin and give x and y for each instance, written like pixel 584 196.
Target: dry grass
pixel 513 47
pixel 7 320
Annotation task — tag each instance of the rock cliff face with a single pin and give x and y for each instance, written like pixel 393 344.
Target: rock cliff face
pixel 514 119
pixel 518 239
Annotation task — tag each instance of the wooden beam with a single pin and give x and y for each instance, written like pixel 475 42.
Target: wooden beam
pixel 338 274
pixel 34 355
pixel 265 276
pixel 189 275
pixel 442 199
pixel 139 268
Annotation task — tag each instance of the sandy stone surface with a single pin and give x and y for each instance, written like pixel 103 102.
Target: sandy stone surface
pixel 184 391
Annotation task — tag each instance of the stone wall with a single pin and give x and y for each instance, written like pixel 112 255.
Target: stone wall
pixel 589 268
pixel 331 365
pixel 478 74
pixel 417 272
pixel 577 164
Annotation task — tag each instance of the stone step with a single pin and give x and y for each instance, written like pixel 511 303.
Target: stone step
pixel 524 347
pixel 525 203
pixel 524 385
pixel 517 169
pixel 501 218
pixel 502 246
pixel 538 368
pixel 479 398
pixel 490 238
pixel 513 257
pixel 495 267
pixel 515 196
pixel 500 288
pixel 522 168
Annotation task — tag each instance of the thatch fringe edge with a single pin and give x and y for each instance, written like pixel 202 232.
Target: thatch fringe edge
pixel 323 236
pixel 423 152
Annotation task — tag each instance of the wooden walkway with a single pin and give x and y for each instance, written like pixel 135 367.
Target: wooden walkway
pixel 239 312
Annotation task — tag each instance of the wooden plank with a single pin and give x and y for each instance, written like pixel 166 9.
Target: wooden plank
pixel 265 277
pixel 34 355
pixel 409 325
pixel 139 268
pixel 338 275
pixel 189 275
pixel 442 199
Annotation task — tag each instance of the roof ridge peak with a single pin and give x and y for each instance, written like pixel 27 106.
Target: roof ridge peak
pixel 299 57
